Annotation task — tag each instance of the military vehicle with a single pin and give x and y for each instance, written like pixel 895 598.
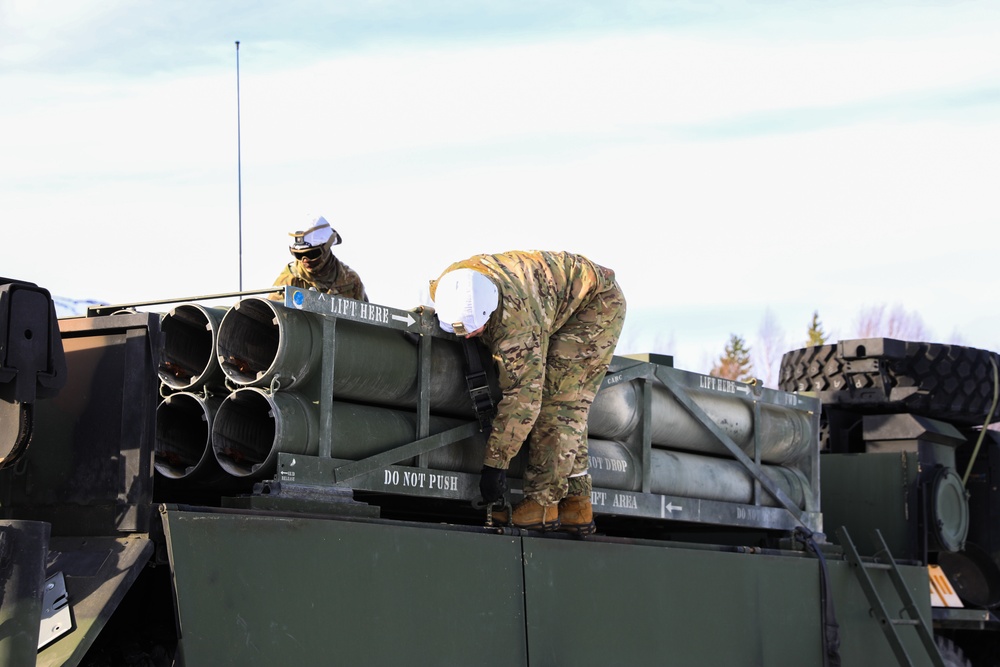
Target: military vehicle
pixel 240 480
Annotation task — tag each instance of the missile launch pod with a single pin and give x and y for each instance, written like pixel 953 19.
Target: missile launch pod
pixel 294 481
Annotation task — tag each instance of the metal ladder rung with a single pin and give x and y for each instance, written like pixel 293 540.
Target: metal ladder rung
pixel 878 609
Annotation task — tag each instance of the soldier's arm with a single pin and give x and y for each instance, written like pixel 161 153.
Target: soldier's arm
pixel 521 367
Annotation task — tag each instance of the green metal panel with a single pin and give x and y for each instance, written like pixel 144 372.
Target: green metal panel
pixel 293 590
pixel 269 590
pixel 590 603
pixel 869 491
pixel 23 546
pixel 99 572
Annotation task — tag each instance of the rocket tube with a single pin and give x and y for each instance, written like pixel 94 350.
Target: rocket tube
pixel 183 445
pixel 187 356
pixel 252 426
pixel 785 434
pixel 260 339
pixel 674 473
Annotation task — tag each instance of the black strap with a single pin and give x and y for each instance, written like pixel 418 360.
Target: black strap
pixel 478 384
pixel 828 617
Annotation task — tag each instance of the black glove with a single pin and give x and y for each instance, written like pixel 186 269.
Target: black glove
pixel 492 483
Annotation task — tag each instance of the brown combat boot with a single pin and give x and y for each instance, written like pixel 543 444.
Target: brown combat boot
pixel 530 515
pixel 576 515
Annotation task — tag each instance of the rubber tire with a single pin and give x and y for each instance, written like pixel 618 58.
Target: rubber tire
pixel 951 383
pixel 951 654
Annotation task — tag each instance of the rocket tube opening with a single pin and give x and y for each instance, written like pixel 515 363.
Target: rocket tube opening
pixel 243 433
pixel 260 339
pixel 253 426
pixel 187 356
pixel 183 435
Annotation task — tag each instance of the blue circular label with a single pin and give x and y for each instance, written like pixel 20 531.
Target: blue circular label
pixel 297 298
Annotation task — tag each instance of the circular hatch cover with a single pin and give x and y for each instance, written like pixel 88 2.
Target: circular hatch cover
pixel 949 510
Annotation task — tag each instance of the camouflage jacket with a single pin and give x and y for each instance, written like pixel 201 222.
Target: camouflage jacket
pixel 334 278
pixel 539 291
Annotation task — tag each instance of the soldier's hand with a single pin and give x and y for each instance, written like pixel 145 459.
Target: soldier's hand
pixel 492 483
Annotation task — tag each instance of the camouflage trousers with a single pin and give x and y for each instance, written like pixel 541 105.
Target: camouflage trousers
pixel 576 361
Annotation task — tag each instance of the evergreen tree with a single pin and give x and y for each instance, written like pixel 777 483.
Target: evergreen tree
pixel 816 334
pixel 734 364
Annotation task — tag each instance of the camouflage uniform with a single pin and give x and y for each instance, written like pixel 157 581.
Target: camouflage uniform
pixel 552 336
pixel 332 277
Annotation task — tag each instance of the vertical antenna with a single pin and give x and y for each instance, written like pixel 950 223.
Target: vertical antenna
pixel 239 174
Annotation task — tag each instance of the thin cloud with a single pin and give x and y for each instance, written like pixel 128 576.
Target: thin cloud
pixel 717 155
pixel 970 105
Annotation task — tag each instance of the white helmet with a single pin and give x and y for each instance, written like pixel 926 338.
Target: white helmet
pixel 464 299
pixel 318 234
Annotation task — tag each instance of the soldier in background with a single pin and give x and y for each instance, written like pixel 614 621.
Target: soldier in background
pixel 551 321
pixel 315 265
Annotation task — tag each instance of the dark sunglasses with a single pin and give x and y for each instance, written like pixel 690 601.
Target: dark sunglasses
pixel 312 254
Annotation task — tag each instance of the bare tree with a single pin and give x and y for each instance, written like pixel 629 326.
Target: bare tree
pixel 957 338
pixel 880 321
pixel 771 344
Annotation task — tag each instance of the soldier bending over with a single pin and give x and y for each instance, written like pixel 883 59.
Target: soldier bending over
pixel 551 321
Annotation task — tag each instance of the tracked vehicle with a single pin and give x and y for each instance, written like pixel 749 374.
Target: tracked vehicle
pixel 296 482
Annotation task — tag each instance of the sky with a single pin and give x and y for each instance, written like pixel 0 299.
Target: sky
pixel 740 165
